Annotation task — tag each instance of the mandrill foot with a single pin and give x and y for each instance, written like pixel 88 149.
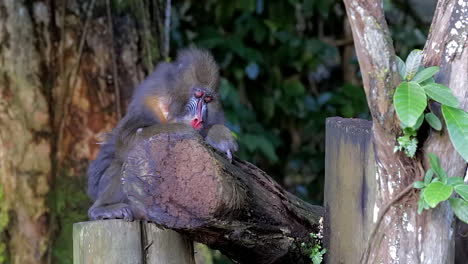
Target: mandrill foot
pixel 115 211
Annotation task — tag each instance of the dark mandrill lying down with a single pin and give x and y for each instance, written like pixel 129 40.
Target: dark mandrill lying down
pixel 184 91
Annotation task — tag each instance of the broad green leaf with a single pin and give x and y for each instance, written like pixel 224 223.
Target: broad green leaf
pixel 422 204
pixel 428 81
pixel 418 123
pixel 425 74
pixel 401 67
pixel 441 94
pixel 418 184
pixel 460 208
pixel 454 181
pixel 437 192
pixel 457 126
pixel 433 121
pixel 428 176
pixel 410 102
pixel 412 64
pixel 462 190
pixel 434 160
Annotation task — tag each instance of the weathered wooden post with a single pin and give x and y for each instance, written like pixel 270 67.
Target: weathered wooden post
pixel 118 241
pixel 350 183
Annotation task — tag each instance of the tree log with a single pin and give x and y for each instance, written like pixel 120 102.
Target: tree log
pixel 118 241
pixel 405 236
pixel 447 47
pixel 171 177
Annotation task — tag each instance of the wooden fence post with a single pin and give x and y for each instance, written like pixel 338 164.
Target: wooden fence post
pixel 118 241
pixel 349 188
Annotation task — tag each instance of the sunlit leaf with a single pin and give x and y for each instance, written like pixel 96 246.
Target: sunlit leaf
pixel 410 102
pixel 412 64
pixel 418 123
pixel 428 176
pixel 454 181
pixel 435 164
pixel 460 208
pixel 457 126
pixel 425 74
pixel 437 192
pixel 441 94
pixel 418 184
pixel 462 190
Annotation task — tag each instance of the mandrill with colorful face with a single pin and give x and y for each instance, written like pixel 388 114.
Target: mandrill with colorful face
pixel 184 91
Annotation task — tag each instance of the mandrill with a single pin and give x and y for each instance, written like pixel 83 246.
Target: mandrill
pixel 184 91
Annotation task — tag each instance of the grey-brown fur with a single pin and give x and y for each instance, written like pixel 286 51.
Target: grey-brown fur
pixel 173 83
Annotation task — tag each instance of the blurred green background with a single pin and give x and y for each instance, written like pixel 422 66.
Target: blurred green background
pixel 287 66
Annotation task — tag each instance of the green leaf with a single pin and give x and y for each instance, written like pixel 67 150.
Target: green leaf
pixel 428 176
pixel 410 102
pixel 418 123
pixel 454 181
pixel 437 192
pixel 418 184
pixel 457 126
pixel 294 88
pixel 422 204
pixel 435 164
pixel 425 74
pixel 433 121
pixel 412 64
pixel 441 94
pixel 462 190
pixel 401 67
pixel 460 208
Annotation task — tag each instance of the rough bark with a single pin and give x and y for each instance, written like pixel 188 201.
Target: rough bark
pixel 447 47
pixel 119 241
pixel 25 129
pixel 57 95
pixel 173 179
pixel 404 236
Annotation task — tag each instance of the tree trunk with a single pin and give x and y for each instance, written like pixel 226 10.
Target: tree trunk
pixel 58 93
pixel 404 236
pixel 174 180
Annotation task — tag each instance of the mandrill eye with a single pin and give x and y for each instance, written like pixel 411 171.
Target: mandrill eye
pixel 208 99
pixel 198 94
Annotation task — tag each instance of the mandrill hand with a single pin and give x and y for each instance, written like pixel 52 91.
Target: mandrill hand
pixel 221 138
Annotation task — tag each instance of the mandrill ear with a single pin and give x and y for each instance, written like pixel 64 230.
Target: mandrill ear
pixel 158 107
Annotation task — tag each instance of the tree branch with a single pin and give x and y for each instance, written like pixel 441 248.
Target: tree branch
pixel 173 179
pixel 376 57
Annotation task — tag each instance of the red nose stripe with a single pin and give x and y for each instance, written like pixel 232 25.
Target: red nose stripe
pixel 197 123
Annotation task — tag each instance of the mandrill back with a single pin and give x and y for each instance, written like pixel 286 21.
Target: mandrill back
pixel 184 91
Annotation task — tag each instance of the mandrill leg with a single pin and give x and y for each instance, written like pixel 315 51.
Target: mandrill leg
pixel 111 201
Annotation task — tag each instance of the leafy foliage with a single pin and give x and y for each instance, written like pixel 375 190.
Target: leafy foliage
pixel 457 126
pixel 410 100
pixel 435 190
pixel 282 78
pixel 315 252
